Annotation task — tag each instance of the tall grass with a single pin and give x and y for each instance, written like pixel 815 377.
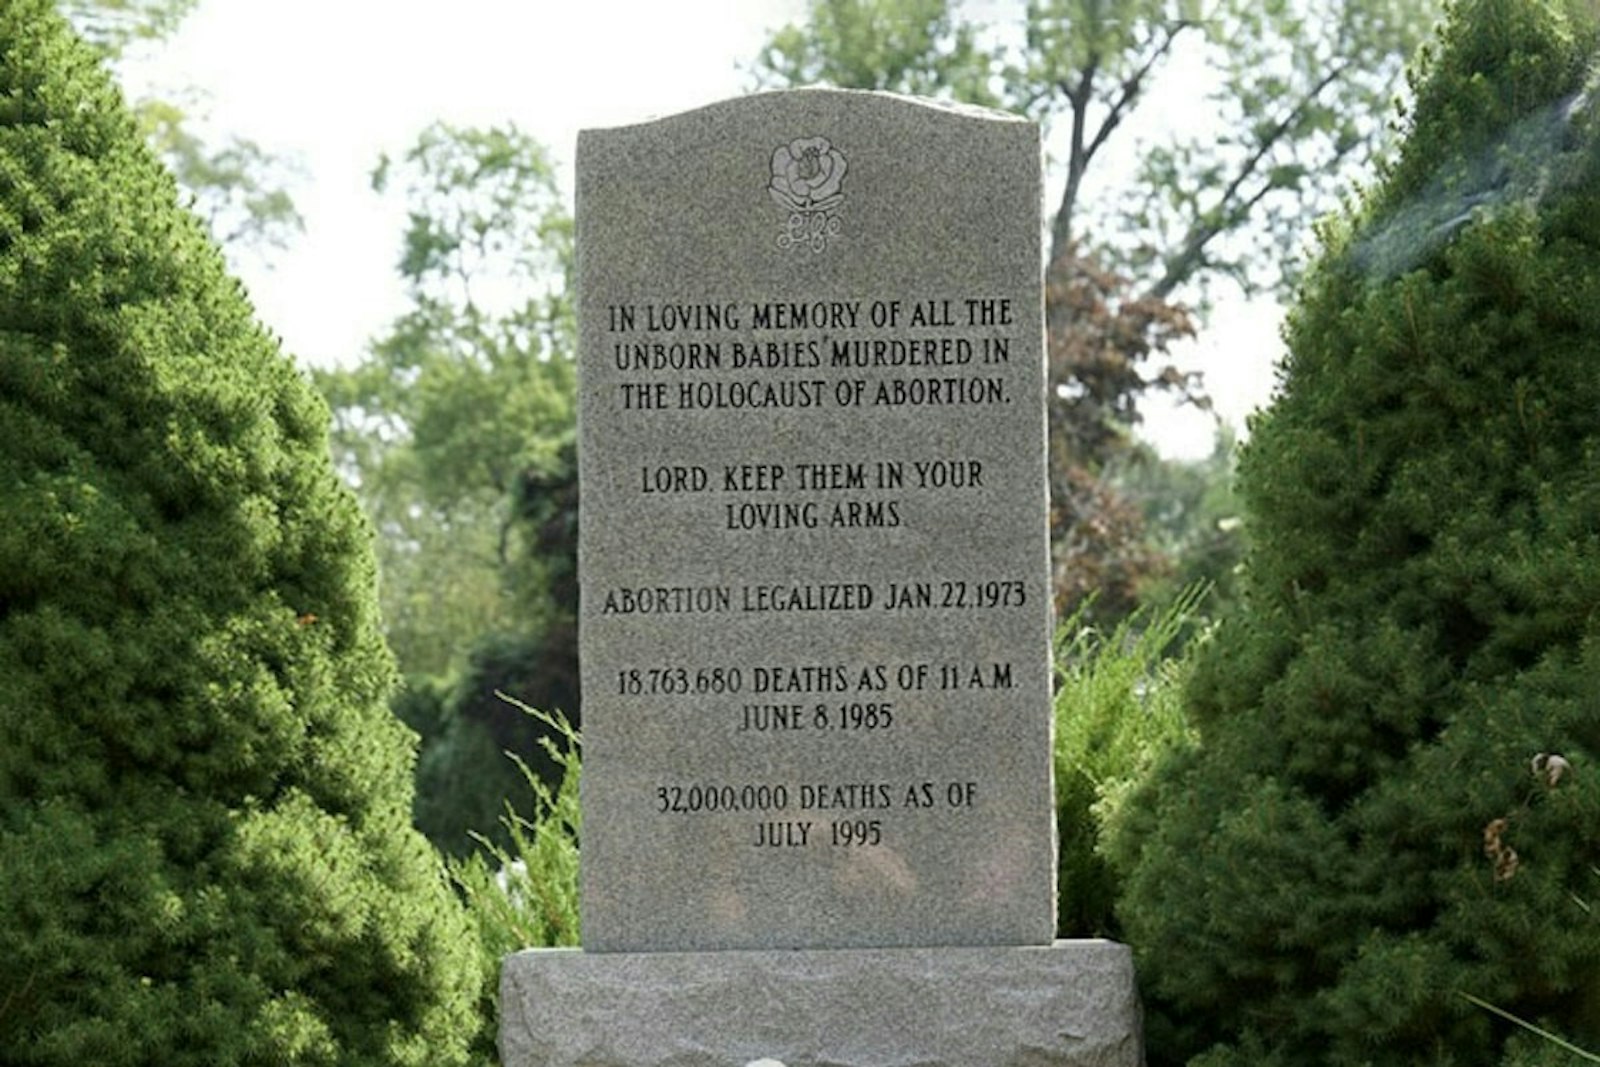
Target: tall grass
pixel 525 895
pixel 1118 706
pixel 1545 1036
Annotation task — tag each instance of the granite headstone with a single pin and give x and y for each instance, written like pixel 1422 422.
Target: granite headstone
pixel 815 599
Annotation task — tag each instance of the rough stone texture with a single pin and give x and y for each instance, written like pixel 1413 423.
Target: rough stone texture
pixel 1071 1004
pixel 799 564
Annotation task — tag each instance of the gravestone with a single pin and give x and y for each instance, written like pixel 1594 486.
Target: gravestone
pixel 815 622
pixel 815 619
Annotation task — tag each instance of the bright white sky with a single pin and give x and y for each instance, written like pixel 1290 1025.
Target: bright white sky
pixel 333 83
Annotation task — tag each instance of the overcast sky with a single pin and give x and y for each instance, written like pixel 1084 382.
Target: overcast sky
pixel 331 85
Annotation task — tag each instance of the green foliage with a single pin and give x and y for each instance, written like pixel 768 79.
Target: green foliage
pixel 1549 1041
pixel 528 897
pixel 522 890
pixel 463 780
pixel 204 800
pixel 464 777
pixel 483 209
pixel 1395 793
pixel 114 25
pixel 907 46
pixel 239 189
pixel 1118 708
pixel 470 396
pixel 1298 88
pixel 458 431
pixel 1192 517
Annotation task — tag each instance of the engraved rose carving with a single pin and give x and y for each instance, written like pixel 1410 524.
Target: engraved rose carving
pixel 806 174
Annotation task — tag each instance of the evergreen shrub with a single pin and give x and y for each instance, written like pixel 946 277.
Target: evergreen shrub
pixel 1394 802
pixel 205 850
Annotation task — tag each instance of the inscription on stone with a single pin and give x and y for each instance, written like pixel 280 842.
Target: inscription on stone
pixel 815 597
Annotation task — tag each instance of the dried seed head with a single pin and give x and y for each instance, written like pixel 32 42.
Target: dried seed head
pixel 1502 855
pixel 1550 768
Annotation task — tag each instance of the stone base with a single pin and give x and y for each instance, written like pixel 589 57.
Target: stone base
pixel 1070 1004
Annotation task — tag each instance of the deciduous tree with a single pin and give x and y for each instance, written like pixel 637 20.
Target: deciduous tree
pixel 458 431
pixel 240 189
pixel 470 391
pixel 1294 92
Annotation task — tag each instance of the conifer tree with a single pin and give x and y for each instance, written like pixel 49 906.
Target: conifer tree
pixel 205 849
pixel 1392 816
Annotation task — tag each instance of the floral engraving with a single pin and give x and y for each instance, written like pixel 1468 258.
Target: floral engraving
pixel 806 177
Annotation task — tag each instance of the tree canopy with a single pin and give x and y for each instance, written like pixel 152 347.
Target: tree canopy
pixel 458 431
pixel 1296 91
pixel 240 189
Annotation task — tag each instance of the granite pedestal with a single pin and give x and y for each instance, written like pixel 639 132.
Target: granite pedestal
pixel 1070 1004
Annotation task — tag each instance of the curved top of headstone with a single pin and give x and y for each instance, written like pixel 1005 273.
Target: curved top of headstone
pixel 823 97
